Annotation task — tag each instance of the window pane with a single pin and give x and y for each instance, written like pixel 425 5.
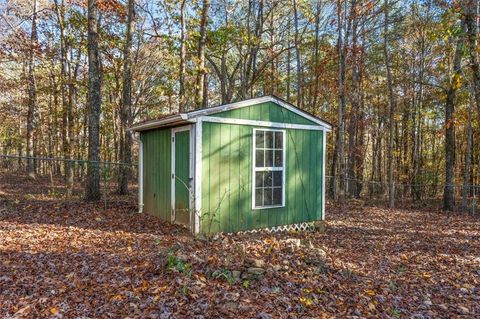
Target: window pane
pixel 267 197
pixel 269 139
pixel 278 158
pixel 279 140
pixel 277 178
pixel 277 196
pixel 259 158
pixel 269 148
pixel 267 179
pixel 268 158
pixel 259 139
pixel 258 179
pixel 258 197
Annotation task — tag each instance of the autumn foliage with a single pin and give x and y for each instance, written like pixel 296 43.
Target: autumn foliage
pixel 70 259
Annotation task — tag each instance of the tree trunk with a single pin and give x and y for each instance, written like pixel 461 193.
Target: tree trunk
pixel 341 102
pixel 298 58
pixel 200 92
pixel 392 108
pixel 468 154
pixel 67 103
pixel 32 94
pixel 183 54
pixel 126 106
pixel 360 127
pixel 289 59
pixel 316 64
pixel 92 190
pixel 449 188
pixel 417 189
pixel 272 87
pixel 355 105
pixel 471 14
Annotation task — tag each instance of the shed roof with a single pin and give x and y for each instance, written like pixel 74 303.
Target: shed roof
pixel 191 116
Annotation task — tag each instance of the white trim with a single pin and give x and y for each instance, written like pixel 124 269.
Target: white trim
pixel 300 227
pixel 261 123
pixel 198 175
pixel 191 174
pixel 237 105
pixel 140 176
pixel 255 169
pixel 295 110
pixel 157 123
pixel 324 153
pixel 191 116
pixel 172 176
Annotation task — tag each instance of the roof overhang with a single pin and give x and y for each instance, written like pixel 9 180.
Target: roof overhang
pixel 189 117
pixel 173 120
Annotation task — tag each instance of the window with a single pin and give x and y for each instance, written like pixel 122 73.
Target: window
pixel 269 168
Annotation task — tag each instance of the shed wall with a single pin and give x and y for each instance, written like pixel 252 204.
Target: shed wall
pixel 157 172
pixel 227 157
pixel 268 111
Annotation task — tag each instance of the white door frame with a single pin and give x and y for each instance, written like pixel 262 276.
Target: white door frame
pixel 190 168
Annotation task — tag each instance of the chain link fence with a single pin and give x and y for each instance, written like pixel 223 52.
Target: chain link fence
pixel 65 178
pixel 428 194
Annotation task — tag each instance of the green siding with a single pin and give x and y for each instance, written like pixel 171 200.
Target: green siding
pixel 157 172
pixel 268 111
pixel 182 177
pixel 227 179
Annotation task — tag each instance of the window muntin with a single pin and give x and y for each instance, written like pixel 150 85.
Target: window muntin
pixel 269 168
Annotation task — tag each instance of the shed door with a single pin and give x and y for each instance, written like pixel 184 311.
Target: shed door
pixel 181 175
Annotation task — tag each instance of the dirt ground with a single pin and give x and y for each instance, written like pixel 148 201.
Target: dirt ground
pixel 70 259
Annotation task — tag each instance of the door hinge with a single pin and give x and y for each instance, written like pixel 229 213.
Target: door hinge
pixel 173 176
pixel 173 139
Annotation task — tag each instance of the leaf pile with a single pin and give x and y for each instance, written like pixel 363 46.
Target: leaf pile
pixel 63 259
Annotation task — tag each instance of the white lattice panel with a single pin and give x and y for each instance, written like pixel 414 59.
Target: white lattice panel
pixel 301 227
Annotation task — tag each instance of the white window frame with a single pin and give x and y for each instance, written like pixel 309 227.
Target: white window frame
pixel 262 169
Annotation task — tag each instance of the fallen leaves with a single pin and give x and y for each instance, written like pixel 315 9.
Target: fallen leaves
pixel 75 259
pixel 370 292
pixel 54 311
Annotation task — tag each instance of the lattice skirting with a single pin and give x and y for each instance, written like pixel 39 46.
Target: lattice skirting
pixel 301 227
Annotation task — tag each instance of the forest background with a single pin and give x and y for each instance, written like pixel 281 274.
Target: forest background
pixel 399 80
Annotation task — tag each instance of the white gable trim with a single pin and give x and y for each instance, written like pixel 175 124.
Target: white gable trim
pixel 261 123
pixel 289 107
pixel 191 117
pixel 237 105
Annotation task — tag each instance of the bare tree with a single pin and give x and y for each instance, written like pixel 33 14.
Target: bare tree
pixel 341 49
pixel 468 154
pixel 298 57
pixel 471 14
pixel 355 106
pixel 392 108
pixel 200 90
pixel 183 54
pixel 449 188
pixel 92 190
pixel 125 113
pixel 32 94
pixel 67 87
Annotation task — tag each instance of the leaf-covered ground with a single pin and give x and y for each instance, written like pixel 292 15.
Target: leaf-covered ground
pixel 72 259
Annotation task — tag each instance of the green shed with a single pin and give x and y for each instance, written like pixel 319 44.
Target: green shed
pixel 258 163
